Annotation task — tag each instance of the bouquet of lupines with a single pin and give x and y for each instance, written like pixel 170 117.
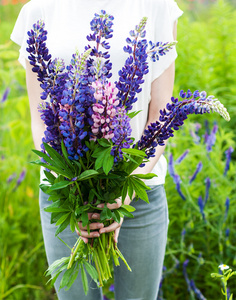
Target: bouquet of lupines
pixel 88 143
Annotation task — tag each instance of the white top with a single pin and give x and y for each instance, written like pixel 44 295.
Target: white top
pixel 68 24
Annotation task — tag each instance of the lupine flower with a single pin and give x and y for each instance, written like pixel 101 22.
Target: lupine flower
pixel 194 133
pixel 173 117
pixel 112 288
pixel 210 139
pixel 196 291
pixel 227 203
pixel 198 169
pixel 190 283
pixel 20 179
pixel 182 157
pixel 228 153
pixel 175 176
pixel 227 231
pixel 5 95
pixel 11 177
pixel 201 206
pixel 208 184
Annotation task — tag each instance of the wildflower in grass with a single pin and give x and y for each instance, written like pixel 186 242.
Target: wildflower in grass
pixel 175 176
pixel 227 203
pixel 210 139
pixel 208 185
pixel 192 289
pixel 228 153
pixel 182 157
pixel 201 206
pixel 223 267
pixel 194 133
pixel 112 288
pixel 20 179
pixel 5 95
pixel 11 177
pixel 198 169
pixel 227 232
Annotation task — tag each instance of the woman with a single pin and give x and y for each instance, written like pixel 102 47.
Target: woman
pixel 143 239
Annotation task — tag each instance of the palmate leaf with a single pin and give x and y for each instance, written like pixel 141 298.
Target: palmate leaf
pixel 57 158
pixel 104 159
pixel 66 276
pixel 64 224
pixel 125 212
pixel 91 270
pixel 52 168
pixel 140 188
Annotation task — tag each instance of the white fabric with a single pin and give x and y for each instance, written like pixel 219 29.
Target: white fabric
pixel 68 24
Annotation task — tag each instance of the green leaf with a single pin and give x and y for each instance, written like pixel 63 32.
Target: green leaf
pixel 84 279
pixel 128 207
pixel 52 168
pixel 65 154
pixel 56 209
pixel 134 152
pixel 108 162
pixel 87 174
pixel 49 176
pixel 72 223
pixel 140 188
pixel 62 219
pixel 116 216
pixel 133 114
pixel 125 212
pixel 104 142
pixel 145 176
pixel 91 270
pixel 66 276
pixel 84 218
pixel 60 185
pixel 72 280
pixel 63 225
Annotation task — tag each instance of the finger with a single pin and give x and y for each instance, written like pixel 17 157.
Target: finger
pixel 93 216
pixel 92 226
pixel 116 234
pixel 115 205
pixel 110 228
pixel 84 239
pixel 84 234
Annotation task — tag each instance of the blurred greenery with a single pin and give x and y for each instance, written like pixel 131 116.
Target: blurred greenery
pixel 207 61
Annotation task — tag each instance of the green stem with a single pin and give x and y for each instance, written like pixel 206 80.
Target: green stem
pixel 74 252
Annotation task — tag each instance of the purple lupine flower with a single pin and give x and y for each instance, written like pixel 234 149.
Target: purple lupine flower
pixel 227 232
pixel 20 179
pixel 5 95
pixel 194 133
pixel 112 288
pixel 228 153
pixel 173 117
pixel 227 203
pixel 182 157
pixel 208 184
pixel 11 177
pixel 201 206
pixel 198 169
pixel 185 263
pixel 210 139
pixel 196 291
pixel 175 176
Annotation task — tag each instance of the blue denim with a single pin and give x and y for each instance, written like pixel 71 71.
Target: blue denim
pixel 142 241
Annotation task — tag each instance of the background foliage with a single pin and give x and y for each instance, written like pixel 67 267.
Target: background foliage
pixel 198 240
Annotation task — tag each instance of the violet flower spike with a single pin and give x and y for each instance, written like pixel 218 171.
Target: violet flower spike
pixel 211 138
pixel 201 206
pixel 198 169
pixel 5 95
pixel 208 184
pixel 227 204
pixel 182 157
pixel 228 153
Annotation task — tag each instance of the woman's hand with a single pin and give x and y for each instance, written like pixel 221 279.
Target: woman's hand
pixel 99 227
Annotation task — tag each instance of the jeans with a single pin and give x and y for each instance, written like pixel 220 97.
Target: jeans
pixel 142 241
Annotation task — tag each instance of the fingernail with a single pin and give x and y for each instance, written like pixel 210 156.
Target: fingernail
pixel 102 231
pixel 95 216
pixel 100 225
pixel 99 205
pixel 96 234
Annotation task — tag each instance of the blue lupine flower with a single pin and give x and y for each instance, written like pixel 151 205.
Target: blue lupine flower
pixel 228 153
pixel 227 203
pixel 210 139
pixel 11 177
pixel 182 157
pixel 201 206
pixel 227 231
pixel 208 184
pixel 196 291
pixel 198 169
pixel 20 179
pixel 5 95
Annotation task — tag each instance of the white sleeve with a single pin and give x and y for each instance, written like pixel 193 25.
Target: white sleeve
pixel 29 14
pixel 166 15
